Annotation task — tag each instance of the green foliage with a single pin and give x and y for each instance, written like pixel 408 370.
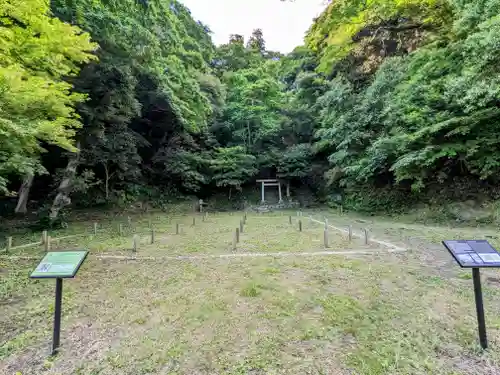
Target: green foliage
pixel 386 99
pixel 232 167
pixel 36 52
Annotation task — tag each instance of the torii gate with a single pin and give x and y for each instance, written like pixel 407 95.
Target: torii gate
pixel 274 182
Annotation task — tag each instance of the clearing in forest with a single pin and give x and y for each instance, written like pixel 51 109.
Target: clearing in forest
pixel 181 308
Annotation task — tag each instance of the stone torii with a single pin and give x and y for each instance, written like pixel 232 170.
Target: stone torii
pixel 273 182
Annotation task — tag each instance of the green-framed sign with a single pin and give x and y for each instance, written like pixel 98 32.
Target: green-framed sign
pixel 59 264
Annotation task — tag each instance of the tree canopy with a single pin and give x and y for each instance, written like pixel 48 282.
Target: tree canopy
pixel 381 94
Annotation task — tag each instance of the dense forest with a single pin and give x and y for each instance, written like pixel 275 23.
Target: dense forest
pixel 385 104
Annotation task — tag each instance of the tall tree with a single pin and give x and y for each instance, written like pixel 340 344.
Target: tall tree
pixel 38 106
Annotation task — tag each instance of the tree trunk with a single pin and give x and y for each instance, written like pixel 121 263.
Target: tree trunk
pixel 24 192
pixel 106 181
pixel 62 198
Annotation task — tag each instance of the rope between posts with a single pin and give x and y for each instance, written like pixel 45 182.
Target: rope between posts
pixel 383 243
pixel 220 256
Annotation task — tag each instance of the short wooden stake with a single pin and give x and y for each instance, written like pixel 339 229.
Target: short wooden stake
pixel 237 234
pixel 9 244
pixel 300 225
pixel 350 233
pixel 245 218
pixel 95 229
pixel 366 236
pixel 194 221
pixel 241 226
pixel 44 237
pixel 325 238
pixel 290 219
pixel 234 241
pixel 152 235
pixel 177 228
pixel 120 229
pixel 135 243
pixel 47 243
pixel 150 225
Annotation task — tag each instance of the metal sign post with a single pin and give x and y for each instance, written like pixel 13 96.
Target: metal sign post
pixel 478 294
pixel 59 265
pixel 475 254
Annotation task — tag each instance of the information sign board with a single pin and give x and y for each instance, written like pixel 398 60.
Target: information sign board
pixel 473 253
pixel 59 264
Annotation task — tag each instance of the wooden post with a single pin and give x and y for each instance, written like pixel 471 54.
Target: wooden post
pixel 44 237
pixel 234 241
pixel 47 243
pixel 241 226
pixel 366 236
pixel 326 223
pixel 289 219
pixel 152 235
pixel 9 244
pixel 177 228
pixel 350 233
pixel 237 234
pixel 95 229
pixel 300 225
pixel 120 229
pixel 341 210
pixel 325 238
pixel 206 215
pixel 150 225
pixel 245 218
pixel 194 221
pixel 135 243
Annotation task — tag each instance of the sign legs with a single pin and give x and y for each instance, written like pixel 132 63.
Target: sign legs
pixel 476 277
pixel 57 317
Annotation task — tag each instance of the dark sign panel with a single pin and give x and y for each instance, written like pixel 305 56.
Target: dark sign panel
pixel 473 253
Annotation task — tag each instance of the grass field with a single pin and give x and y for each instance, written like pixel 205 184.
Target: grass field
pixel 182 309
